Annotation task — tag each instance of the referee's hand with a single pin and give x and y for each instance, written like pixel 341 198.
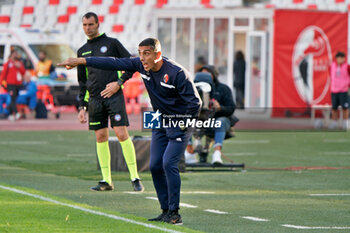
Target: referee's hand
pixel 82 116
pixel 111 89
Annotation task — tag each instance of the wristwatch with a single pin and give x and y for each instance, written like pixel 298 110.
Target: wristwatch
pixel 120 82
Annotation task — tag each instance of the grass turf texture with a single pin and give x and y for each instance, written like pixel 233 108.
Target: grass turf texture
pixel 28 214
pixel 63 164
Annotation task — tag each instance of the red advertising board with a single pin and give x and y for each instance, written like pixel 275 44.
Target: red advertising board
pixel 305 43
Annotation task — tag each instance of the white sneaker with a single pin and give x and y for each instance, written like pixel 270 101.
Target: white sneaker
pixel 216 158
pixel 333 125
pixel 190 158
pixel 345 125
pixel 18 116
pixel 11 118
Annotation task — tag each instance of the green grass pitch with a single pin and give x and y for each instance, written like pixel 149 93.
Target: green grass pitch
pixel 62 165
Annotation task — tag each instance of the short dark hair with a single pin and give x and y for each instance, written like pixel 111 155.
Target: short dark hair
pixel 340 54
pixel 239 55
pixel 91 14
pixel 154 43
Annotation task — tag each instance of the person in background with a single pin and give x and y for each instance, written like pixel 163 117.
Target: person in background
pixel 5 101
pixel 45 67
pixel 200 63
pixel 340 81
pixel 224 107
pixel 11 78
pixel 27 96
pixel 239 78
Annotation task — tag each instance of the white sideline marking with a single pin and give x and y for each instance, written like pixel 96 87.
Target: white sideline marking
pixel 255 219
pixel 311 228
pixel 132 192
pixel 181 204
pixel 242 154
pixel 249 141
pixel 197 192
pixel 335 153
pixel 87 210
pixel 187 205
pixel 336 140
pixel 329 194
pixel 215 211
pixel 23 142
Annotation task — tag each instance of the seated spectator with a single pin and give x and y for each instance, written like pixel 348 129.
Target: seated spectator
pixel 224 107
pixel 27 96
pixel 5 101
pixel 45 67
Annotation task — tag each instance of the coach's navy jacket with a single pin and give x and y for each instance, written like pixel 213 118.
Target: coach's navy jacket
pixel 171 89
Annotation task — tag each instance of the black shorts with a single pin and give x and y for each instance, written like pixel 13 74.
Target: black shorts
pixel 100 109
pixel 340 99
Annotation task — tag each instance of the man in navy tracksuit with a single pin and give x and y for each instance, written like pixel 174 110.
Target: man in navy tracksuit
pixel 172 92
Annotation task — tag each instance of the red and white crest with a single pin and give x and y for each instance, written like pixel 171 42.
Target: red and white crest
pixel 312 56
pixel 166 78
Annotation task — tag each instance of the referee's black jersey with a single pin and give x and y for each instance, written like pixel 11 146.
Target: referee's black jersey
pixel 92 80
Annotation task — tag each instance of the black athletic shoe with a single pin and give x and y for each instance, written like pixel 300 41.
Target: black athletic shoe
pixel 173 217
pixel 102 186
pixel 137 185
pixel 160 218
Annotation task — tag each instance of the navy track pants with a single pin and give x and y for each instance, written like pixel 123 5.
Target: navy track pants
pixel 167 147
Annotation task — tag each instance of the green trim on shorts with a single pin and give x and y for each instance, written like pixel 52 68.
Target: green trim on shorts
pixel 95 123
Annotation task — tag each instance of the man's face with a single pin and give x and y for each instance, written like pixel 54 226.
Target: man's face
pixel 42 56
pixel 148 57
pixel 14 56
pixel 90 27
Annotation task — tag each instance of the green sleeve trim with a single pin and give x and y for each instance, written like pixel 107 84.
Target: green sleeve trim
pixel 120 75
pixel 87 96
pixel 119 78
pixel 87 73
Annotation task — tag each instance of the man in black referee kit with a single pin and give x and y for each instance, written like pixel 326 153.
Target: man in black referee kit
pixel 93 82
pixel 172 92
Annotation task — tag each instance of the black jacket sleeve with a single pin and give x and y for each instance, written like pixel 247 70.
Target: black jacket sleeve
pixel 225 99
pixel 82 78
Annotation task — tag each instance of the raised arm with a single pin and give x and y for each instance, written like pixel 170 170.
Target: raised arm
pixel 109 63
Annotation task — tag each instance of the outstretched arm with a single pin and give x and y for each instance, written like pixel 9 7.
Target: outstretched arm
pixel 104 63
pixel 72 62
